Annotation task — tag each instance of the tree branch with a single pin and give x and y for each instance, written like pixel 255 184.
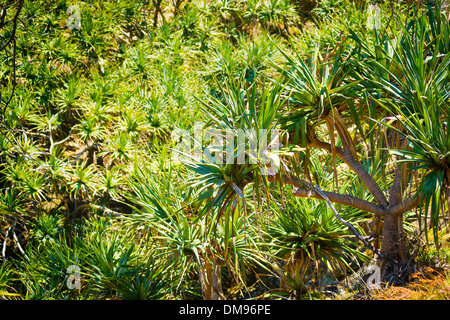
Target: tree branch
pixel 302 191
pixel 14 21
pixel 406 205
pixel 83 151
pixel 396 192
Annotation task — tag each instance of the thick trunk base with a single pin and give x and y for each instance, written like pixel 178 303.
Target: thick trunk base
pixel 394 265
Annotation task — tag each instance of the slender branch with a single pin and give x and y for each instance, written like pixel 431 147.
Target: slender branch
pixel 14 21
pixel 63 140
pixel 83 151
pixel 302 191
pixel 12 229
pixel 342 199
pixel 4 243
pixel 4 46
pixel 106 210
pixel 18 242
pixel 52 143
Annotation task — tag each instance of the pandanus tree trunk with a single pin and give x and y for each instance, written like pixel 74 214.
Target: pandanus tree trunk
pixel 392 243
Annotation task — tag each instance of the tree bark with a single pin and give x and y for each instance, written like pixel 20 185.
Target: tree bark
pixel 392 242
pixel 376 231
pixel 392 247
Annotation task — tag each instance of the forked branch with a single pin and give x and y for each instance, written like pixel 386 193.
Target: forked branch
pixel 346 156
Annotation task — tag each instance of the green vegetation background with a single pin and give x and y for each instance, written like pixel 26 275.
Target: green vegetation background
pixel 86 177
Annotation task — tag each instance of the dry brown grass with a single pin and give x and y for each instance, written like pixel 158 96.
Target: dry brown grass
pixel 427 284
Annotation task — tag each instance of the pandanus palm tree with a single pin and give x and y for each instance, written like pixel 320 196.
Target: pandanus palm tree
pixel 342 104
pixel 408 81
pixel 416 103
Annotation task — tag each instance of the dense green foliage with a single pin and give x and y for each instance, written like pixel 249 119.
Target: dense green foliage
pixel 87 170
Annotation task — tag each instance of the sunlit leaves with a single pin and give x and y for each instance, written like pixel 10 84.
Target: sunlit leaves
pixel 90 129
pixel 120 147
pixel 306 232
pixel 82 181
pixel 110 182
pixel 10 202
pixel 72 89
